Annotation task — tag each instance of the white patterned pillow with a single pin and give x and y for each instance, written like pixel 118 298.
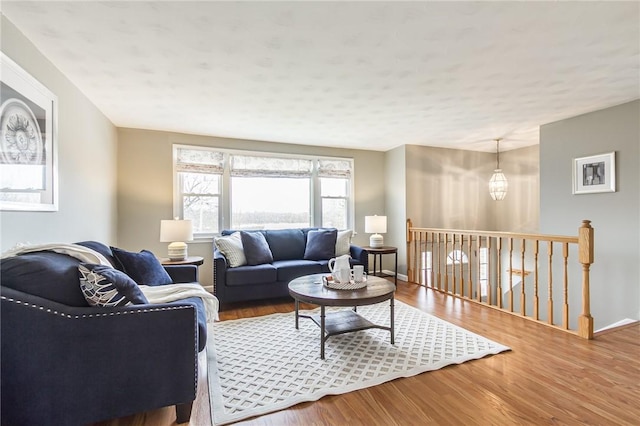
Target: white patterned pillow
pixel 105 286
pixel 343 242
pixel 231 247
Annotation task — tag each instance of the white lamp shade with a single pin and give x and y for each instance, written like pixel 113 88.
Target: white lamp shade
pixel 176 230
pixel 498 185
pixel 375 224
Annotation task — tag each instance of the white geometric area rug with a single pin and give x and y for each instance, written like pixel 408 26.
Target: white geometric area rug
pixel 263 364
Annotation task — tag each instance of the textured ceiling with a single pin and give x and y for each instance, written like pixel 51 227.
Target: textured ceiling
pixel 370 75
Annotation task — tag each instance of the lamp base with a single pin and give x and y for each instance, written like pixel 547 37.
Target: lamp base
pixel 376 241
pixel 177 251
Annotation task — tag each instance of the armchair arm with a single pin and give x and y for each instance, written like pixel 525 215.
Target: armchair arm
pixel 182 273
pixel 361 255
pixel 89 364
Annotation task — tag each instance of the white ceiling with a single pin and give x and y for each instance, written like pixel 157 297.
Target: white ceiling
pixel 369 75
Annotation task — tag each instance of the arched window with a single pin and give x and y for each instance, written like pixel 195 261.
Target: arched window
pixel 457 257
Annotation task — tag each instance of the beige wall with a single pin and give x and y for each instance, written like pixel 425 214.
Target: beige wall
pixel 520 210
pixel 396 207
pixel 145 186
pixel 448 188
pixel 615 216
pixel 86 166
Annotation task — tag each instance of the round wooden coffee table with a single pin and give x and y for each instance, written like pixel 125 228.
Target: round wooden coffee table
pixel 309 289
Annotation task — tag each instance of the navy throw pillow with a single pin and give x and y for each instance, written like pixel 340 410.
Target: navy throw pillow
pixel 105 286
pixel 142 267
pixel 321 244
pixel 256 248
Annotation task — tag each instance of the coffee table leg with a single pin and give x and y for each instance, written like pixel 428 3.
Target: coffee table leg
pixel 322 338
pixel 392 321
pixel 297 306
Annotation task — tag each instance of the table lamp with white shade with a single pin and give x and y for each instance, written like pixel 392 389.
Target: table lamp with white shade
pixel 176 232
pixel 376 225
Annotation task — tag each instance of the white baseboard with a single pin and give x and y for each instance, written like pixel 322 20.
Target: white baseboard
pixel 401 277
pixel 617 324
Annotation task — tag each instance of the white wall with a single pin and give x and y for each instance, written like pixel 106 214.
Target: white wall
pixel 615 275
pixel 145 186
pixel 87 161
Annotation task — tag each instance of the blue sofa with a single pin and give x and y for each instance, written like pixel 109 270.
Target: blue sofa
pixel 67 363
pixel 270 280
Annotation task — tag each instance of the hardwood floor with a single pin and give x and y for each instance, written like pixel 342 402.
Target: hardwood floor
pixel 548 377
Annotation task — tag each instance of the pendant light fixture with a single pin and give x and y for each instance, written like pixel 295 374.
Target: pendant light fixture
pixel 498 184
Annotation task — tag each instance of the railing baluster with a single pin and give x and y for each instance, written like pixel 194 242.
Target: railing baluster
pixel 410 274
pixel 550 283
pixel 510 274
pixel 478 285
pixel 499 270
pixel 565 285
pixel 453 263
pixel 536 300
pixel 446 268
pixel 431 273
pixel 523 307
pixel 470 266
pixel 489 289
pixel 439 257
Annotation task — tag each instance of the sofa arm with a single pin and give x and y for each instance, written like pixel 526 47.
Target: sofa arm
pixel 90 364
pixel 182 273
pixel 361 255
pixel 220 266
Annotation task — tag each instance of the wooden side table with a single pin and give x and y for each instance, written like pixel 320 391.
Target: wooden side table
pixel 377 252
pixel 190 260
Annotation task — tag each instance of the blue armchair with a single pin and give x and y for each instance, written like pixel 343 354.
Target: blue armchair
pixel 64 362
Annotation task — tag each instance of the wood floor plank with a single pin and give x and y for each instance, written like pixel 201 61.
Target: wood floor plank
pixel 548 377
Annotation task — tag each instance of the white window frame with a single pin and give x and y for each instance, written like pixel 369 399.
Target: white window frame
pixel 224 206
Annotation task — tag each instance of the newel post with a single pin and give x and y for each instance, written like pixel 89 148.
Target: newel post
pixel 410 276
pixel 585 256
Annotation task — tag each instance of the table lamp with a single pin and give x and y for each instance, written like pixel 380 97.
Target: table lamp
pixel 375 225
pixel 176 232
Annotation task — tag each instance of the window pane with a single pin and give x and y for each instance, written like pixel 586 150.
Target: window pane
pixel 270 203
pixel 331 187
pixel 200 183
pixel 203 211
pixel 334 213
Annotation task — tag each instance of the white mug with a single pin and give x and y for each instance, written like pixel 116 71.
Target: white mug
pixel 358 273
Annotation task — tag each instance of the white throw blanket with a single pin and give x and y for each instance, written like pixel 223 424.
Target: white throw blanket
pixel 172 292
pixel 82 253
pixel 154 294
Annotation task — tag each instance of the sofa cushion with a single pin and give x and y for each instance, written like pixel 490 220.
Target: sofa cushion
pixel 343 242
pixel 246 275
pixel 46 274
pixel 256 248
pixel 105 286
pixel 286 244
pixel 321 244
pixel 144 268
pixel 290 269
pixel 231 247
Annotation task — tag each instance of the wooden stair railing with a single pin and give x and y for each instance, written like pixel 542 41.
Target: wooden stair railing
pixel 487 267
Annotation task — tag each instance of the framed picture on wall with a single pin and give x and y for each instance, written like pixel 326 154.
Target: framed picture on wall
pixel 596 173
pixel 28 139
